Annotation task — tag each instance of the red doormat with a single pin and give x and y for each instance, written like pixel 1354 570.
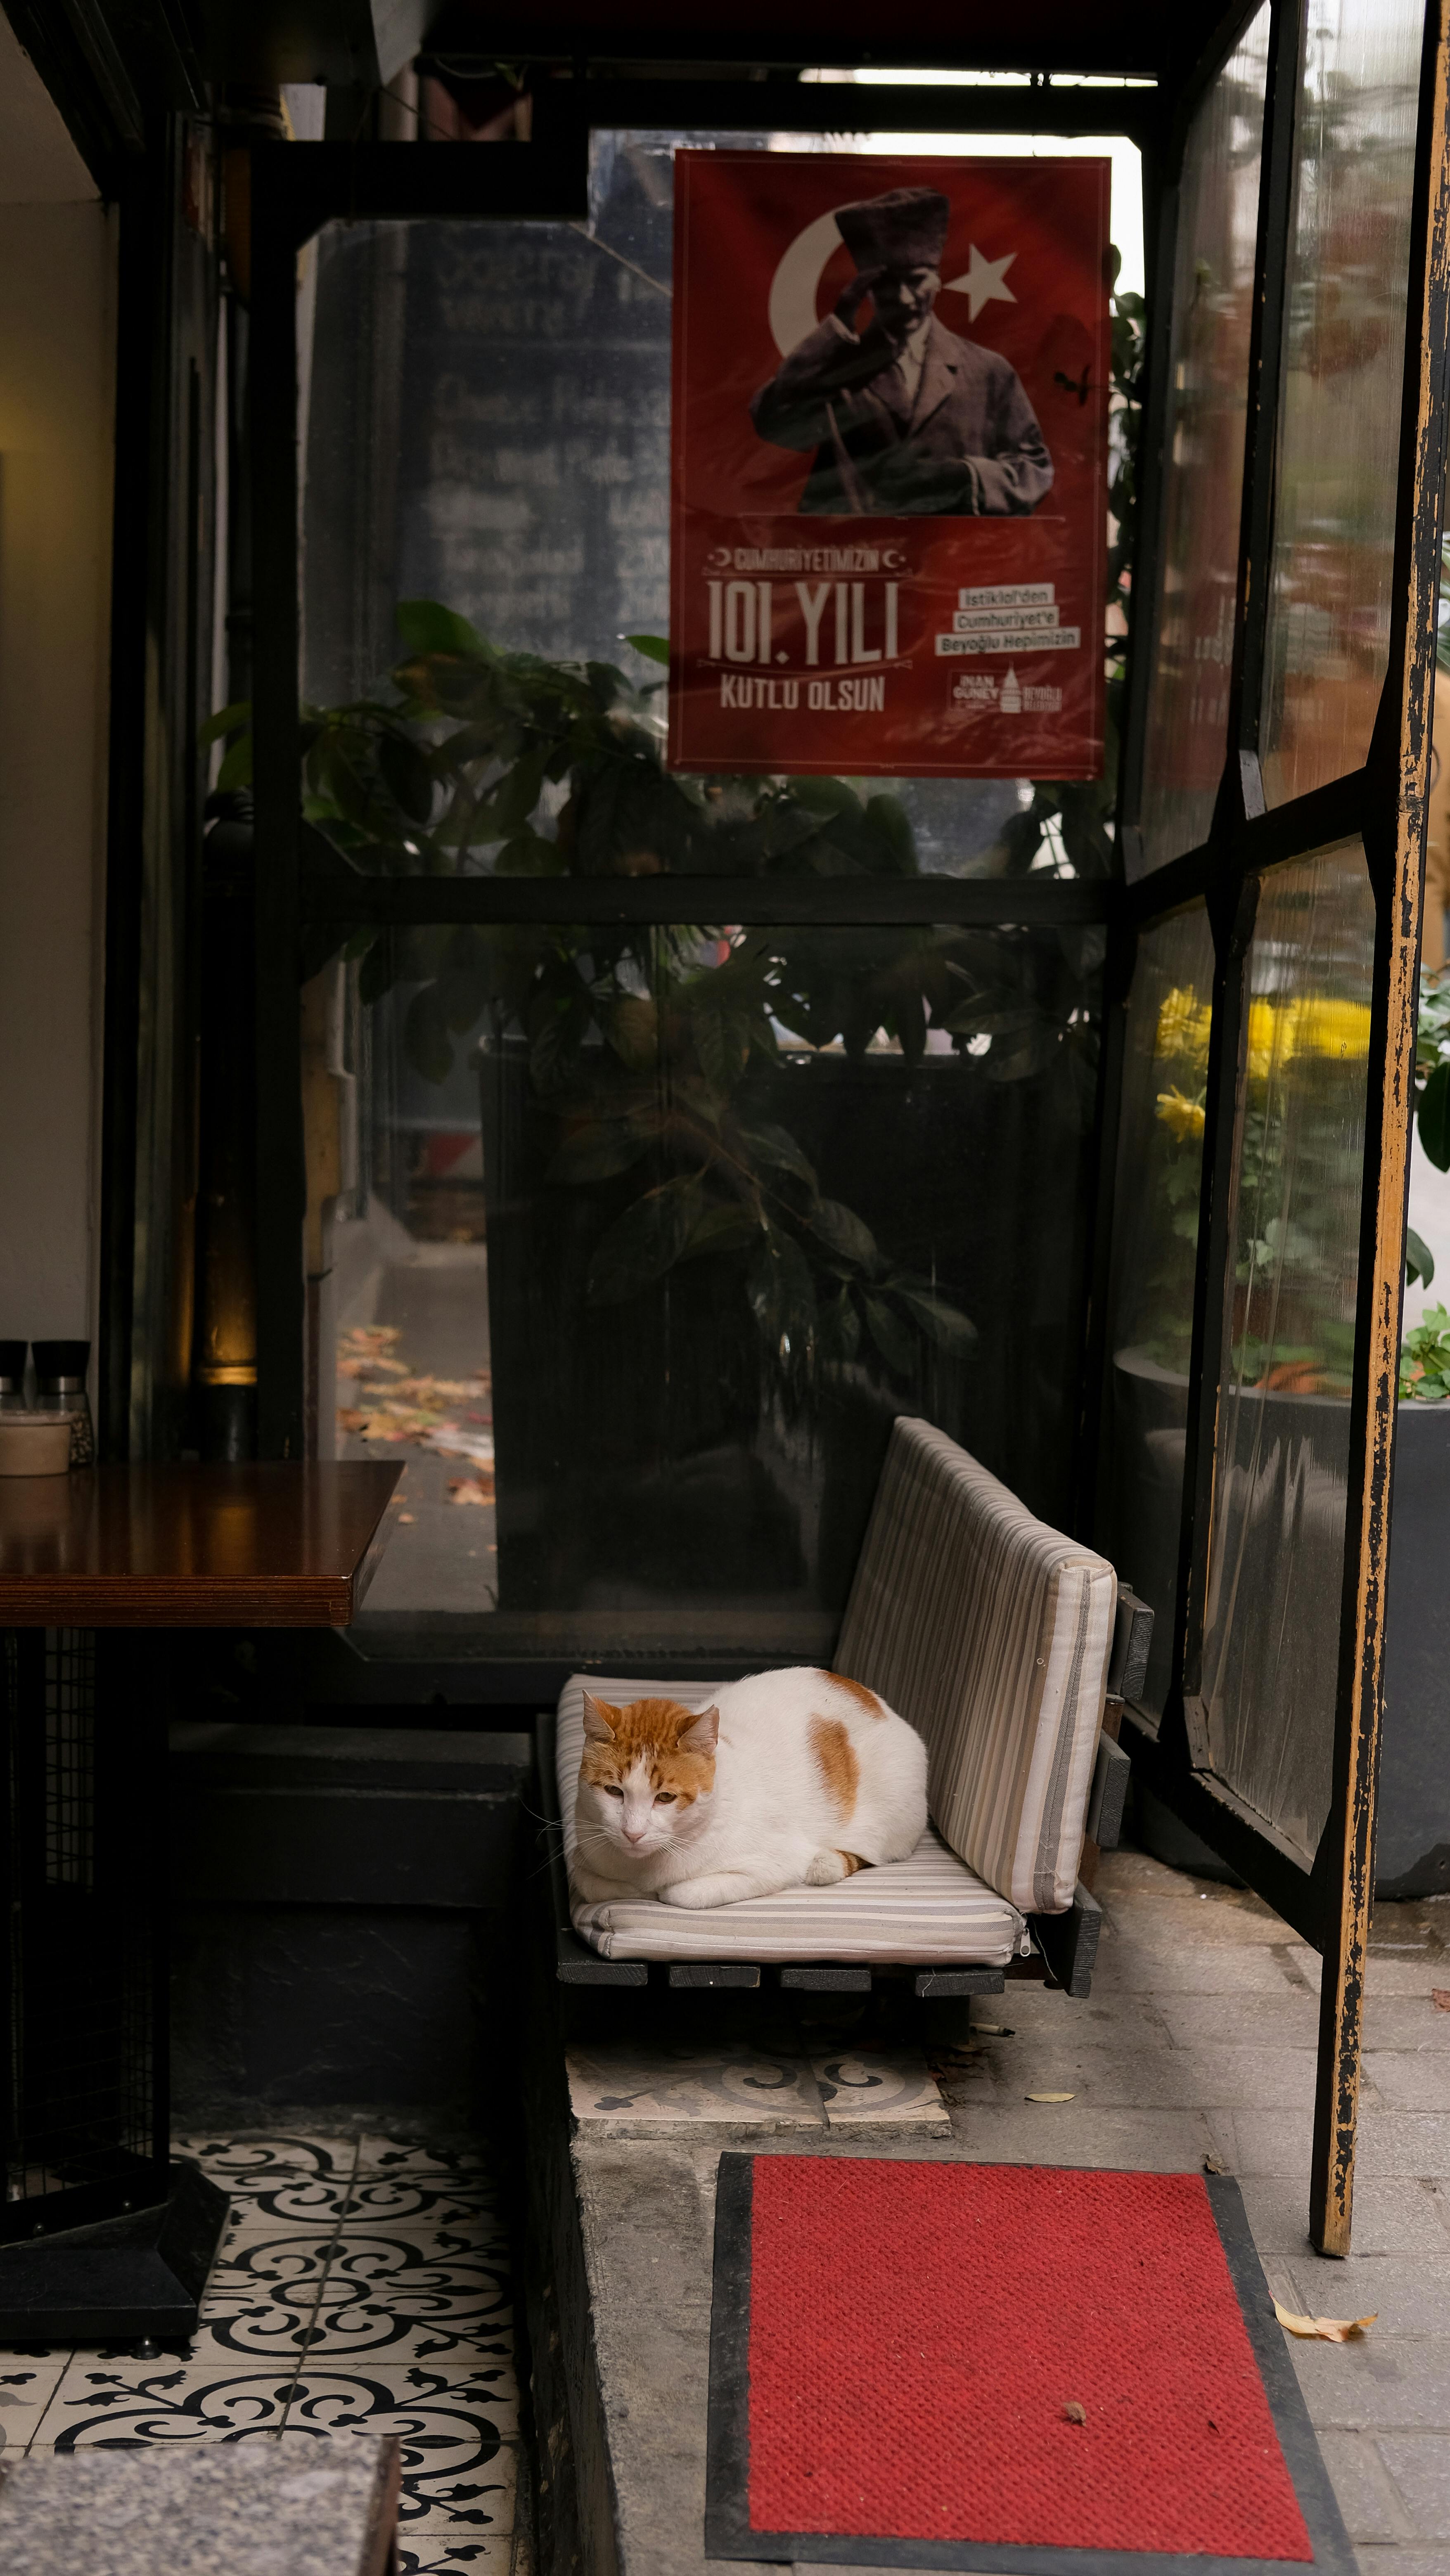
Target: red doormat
pixel 1003 2368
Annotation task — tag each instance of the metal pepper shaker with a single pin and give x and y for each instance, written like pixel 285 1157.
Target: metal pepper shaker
pixel 60 1387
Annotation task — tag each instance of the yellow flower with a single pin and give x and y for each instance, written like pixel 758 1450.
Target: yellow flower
pixel 1182 1117
pixel 1335 1028
pixel 1183 1025
pixel 1320 1025
pixel 1271 1038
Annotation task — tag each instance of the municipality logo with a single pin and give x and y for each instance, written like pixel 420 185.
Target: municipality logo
pixel 974 690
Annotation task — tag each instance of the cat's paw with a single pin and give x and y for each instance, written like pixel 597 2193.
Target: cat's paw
pixel 828 1868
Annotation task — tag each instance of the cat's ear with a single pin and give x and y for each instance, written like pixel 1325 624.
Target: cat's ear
pixel 702 1734
pixel 597 1729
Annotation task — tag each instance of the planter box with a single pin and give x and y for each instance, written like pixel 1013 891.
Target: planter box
pixel 1412 1844
pixel 1413 1836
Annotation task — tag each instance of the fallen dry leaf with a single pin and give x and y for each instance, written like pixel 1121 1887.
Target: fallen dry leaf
pixel 1323 2329
pixel 1074 2413
pixel 1049 2097
pixel 1440 1998
pixel 464 1489
pixel 407 1516
pixel 1214 2164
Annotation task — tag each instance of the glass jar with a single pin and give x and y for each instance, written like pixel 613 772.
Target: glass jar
pixel 60 1387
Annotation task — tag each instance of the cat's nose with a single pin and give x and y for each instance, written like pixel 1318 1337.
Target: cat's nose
pixel 634 1833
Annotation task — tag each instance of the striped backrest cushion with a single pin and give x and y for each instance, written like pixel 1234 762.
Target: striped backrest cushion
pixel 990 1632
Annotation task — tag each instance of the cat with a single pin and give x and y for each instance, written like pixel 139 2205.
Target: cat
pixel 793 1778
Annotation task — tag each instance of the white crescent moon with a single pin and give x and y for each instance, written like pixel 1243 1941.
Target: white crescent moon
pixel 792 310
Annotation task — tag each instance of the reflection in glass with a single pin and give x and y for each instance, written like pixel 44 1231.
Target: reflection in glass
pixel 1276 1544
pixel 632 1243
pixel 1213 290
pixel 486 424
pixel 1155 1235
pixel 1338 464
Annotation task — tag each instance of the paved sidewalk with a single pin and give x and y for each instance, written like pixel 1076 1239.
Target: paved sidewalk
pixel 1198 2039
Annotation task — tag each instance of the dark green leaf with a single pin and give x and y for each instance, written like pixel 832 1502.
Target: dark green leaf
pixel 528 854
pixel 888 819
pixel 781 1291
pixel 555 1034
pixel 597 1152
pixel 1434 1118
pixel 426 1041
pixel 644 1243
pixel 515 800
pixel 722 1229
pixel 910 1017
pixel 236 768
pixel 427 627
pixel 779 1151
pixel 1419 1259
pixel 842 1232
pixel 226 720
pixel 606 684
pixel 945 1325
pixel 406 773
pixel 826 795
pixel 655 648
pixel 891 1337
pixel 722 1043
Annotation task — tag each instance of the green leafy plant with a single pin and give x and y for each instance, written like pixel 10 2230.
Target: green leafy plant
pixel 1432 1068
pixel 1425 1358
pixel 651 1047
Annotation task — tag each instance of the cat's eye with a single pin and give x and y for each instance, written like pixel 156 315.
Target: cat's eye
pixel 664 1797
pixel 611 1791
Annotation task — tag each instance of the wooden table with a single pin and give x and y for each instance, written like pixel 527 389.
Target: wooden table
pixel 266 1546
pixel 98 2239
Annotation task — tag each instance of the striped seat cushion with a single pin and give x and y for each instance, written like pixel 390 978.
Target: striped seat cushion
pixel 929 1911
pixel 990 1632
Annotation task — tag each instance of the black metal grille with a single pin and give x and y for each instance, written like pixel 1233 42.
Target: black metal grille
pixel 78 2071
pixel 70 1757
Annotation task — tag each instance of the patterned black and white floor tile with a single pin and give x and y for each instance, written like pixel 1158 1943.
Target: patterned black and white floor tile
pixel 362 2286
pixel 27 2385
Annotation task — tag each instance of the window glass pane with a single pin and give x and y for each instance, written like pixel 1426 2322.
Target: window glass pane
pixel 632 1244
pixel 1276 1545
pixel 486 427
pixel 1334 525
pixel 1155 1234
pixel 1213 289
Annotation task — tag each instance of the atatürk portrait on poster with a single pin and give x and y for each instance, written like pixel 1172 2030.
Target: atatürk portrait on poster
pixel 907 420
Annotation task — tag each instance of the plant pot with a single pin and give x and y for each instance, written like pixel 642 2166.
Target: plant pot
pixel 644 1450
pixel 1412 1835
pixel 1412 1850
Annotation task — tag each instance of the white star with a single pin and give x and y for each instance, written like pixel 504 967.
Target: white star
pixel 983 283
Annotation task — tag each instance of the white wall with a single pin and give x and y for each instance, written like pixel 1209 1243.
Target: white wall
pixel 56 343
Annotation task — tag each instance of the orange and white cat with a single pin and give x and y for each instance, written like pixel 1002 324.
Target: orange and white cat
pixel 792 1779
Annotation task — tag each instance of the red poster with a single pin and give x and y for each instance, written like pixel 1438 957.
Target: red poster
pixel 889 473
